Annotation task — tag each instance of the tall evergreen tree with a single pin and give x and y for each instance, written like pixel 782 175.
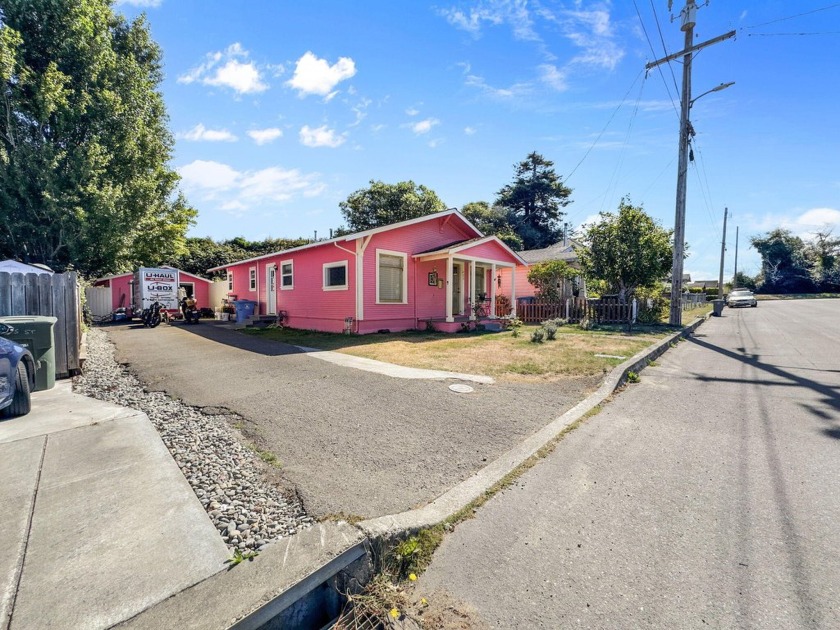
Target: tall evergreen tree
pixel 84 143
pixel 534 202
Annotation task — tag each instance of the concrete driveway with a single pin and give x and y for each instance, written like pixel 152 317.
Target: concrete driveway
pixel 705 496
pixel 353 442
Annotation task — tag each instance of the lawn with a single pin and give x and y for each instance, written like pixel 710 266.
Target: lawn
pixel 500 355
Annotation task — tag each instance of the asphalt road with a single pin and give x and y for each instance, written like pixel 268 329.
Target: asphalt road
pixel 708 495
pixel 351 442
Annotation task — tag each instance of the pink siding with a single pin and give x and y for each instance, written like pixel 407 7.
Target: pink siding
pixel 122 287
pixel 201 288
pixel 411 239
pixel 492 250
pixel 121 291
pixel 308 305
pixel 523 287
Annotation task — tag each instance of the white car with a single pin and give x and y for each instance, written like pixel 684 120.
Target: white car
pixel 741 297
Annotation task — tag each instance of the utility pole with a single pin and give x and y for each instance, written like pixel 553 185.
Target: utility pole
pixel 735 275
pixel 688 16
pixel 722 255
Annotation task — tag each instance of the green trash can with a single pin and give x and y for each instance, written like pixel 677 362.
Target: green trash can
pixel 35 332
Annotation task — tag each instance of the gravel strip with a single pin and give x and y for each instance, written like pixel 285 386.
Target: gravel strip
pixel 228 478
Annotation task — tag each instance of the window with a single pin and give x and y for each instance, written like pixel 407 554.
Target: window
pixel 252 282
pixel 287 275
pixel 335 276
pixel 480 281
pixel 230 280
pixel 391 277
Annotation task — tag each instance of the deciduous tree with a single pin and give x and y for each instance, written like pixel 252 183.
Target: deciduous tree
pixel 784 263
pixel 492 221
pixel 383 204
pixel 84 144
pixel 626 251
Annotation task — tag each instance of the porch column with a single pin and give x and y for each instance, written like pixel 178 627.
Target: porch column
pixel 449 317
pixel 513 291
pixel 472 290
pixel 493 290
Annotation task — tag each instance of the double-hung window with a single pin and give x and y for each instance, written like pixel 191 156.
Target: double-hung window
pixel 287 275
pixel 252 282
pixel 335 276
pixel 391 277
pixel 230 281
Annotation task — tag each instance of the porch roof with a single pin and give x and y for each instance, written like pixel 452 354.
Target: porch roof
pixel 461 246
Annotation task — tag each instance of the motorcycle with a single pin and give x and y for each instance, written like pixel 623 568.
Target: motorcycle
pixel 154 315
pixel 191 312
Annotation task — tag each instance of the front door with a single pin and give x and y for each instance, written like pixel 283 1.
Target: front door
pixel 271 289
pixel 457 290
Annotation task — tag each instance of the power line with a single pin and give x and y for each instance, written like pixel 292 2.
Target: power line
pixel 664 47
pixel 778 34
pixel 650 43
pixel 615 176
pixel 620 105
pixel 791 17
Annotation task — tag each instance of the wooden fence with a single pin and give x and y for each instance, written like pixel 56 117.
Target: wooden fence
pixel 576 309
pixel 55 295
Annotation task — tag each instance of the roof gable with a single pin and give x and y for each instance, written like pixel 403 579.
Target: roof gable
pixel 445 215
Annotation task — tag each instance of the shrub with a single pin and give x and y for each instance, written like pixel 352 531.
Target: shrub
pixel 537 336
pixel 550 330
pixel 514 324
pixel 586 324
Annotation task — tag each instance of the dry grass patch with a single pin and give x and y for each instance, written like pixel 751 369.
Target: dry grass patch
pixel 500 355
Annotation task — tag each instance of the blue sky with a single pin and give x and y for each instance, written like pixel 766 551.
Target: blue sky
pixel 282 109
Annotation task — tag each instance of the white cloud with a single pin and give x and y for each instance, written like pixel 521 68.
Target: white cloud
pixel 470 131
pixel 554 78
pixel 228 68
pixel 412 111
pixel 514 91
pixel 321 137
pixel 592 31
pixel 141 3
pixel 237 191
pixel 360 109
pixel 264 136
pixel 819 217
pixel 208 175
pixel 514 13
pixel 377 127
pixel 424 126
pixel 200 133
pixel 317 76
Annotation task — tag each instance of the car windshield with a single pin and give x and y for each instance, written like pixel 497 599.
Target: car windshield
pixel 740 293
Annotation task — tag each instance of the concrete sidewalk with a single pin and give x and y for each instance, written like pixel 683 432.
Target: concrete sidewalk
pixel 99 523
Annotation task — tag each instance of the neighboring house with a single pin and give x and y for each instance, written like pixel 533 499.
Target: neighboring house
pixel 394 277
pixel 562 250
pixel 121 286
pixel 13 266
pixel 701 284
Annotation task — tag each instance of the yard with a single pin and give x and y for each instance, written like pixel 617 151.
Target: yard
pixel 501 355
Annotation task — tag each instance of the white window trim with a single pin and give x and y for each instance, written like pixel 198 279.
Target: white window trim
pixel 230 281
pixel 333 265
pixel 404 256
pixel 252 278
pixel 291 286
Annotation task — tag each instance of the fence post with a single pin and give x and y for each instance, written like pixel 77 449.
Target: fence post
pixel 635 309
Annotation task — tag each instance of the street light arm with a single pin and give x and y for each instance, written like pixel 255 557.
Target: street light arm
pixel 720 87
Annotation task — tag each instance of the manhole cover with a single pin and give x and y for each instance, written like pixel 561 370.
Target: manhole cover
pixel 460 388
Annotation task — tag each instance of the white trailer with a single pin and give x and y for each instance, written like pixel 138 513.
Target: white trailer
pixel 153 284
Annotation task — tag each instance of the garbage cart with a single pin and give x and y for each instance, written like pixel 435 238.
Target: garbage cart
pixel 244 309
pixel 35 332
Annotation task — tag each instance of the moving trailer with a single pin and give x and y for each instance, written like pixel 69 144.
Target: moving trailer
pixel 153 284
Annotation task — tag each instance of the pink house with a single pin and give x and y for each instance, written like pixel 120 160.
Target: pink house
pixel 121 287
pixel 437 268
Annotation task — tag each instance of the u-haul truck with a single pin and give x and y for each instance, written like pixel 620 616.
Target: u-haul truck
pixel 153 284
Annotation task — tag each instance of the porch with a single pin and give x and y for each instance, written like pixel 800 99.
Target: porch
pixel 469 273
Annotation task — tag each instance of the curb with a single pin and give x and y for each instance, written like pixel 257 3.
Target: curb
pixel 462 495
